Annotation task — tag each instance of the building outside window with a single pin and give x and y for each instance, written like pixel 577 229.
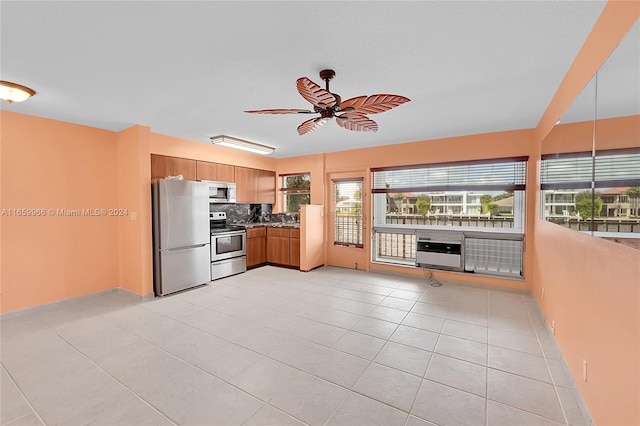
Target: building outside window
pixel 347 214
pixel 295 190
pixel 477 194
pixel 598 194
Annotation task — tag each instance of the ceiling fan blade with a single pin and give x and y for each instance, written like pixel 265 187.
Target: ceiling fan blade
pixel 280 111
pixel 357 122
pixel 315 94
pixel 373 104
pixel 311 125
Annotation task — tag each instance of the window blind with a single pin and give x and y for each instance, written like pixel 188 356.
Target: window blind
pixel 613 168
pixel 491 175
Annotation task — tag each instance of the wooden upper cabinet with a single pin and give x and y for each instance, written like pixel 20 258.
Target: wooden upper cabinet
pixel 267 187
pixel 215 171
pixel 255 186
pixel 245 185
pixel 163 166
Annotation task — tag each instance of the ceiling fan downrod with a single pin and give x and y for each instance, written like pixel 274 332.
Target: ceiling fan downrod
pixel 327 75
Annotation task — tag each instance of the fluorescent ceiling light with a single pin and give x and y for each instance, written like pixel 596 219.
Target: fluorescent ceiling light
pixel 13 92
pixel 231 142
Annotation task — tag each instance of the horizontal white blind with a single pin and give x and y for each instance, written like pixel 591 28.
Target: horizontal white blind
pixel 617 170
pixel 613 168
pixel 508 174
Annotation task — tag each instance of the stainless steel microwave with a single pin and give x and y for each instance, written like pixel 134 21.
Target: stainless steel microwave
pixel 222 192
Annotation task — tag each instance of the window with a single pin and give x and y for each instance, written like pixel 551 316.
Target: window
pixel 584 192
pixel 485 194
pixel 296 190
pixel 476 193
pixel 347 215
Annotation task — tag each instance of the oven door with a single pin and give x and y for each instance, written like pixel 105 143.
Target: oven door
pixel 227 245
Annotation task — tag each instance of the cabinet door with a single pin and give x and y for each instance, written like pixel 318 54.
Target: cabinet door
pixel 215 171
pixel 278 250
pixel 294 246
pixel 246 185
pixel 256 251
pixel 163 166
pixel 267 187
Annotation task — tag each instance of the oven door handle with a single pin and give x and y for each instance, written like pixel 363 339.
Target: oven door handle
pixel 229 234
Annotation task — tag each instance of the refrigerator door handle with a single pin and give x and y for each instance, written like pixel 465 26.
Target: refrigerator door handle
pixel 185 248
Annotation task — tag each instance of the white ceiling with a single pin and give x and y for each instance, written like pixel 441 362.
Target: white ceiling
pixel 190 69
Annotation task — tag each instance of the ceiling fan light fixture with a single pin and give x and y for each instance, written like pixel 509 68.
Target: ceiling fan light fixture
pixel 14 92
pixel 244 145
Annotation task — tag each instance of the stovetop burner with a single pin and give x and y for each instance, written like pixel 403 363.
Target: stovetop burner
pixel 218 224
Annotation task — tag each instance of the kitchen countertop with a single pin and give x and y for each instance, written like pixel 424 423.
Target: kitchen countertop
pixel 269 225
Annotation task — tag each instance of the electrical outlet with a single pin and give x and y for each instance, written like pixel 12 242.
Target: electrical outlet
pixel 542 293
pixel 584 370
pixel 553 327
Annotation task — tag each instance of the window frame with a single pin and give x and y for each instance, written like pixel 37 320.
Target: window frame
pixel 360 222
pixel 285 191
pixel 471 184
pixel 589 171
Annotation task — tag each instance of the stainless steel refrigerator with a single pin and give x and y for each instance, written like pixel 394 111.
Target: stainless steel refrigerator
pixel 181 235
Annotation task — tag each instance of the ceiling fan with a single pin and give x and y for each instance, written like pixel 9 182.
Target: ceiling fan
pixel 350 114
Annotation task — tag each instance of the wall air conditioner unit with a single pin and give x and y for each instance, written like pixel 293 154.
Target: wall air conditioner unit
pixel 439 250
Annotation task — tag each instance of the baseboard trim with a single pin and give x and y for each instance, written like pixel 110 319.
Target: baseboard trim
pixel 77 299
pixel 582 405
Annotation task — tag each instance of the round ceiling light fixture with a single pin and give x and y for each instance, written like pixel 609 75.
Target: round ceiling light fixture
pixel 13 92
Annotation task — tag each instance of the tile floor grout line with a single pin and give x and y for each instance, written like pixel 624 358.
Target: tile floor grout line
pixel 135 394
pixel 249 349
pixel 24 396
pixel 371 361
pixel 546 363
pixel 486 385
pixel 433 352
pixel 349 391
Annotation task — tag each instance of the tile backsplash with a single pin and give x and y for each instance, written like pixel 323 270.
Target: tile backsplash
pixel 253 213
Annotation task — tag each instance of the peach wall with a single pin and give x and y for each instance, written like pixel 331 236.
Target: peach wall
pixel 311 236
pixel 474 147
pixel 621 132
pixel 184 148
pixel 592 285
pixel 592 292
pixel 49 164
pixel 312 164
pixel 134 194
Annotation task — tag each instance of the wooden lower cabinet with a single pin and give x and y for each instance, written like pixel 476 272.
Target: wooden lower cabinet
pixel 282 249
pixel 256 247
pixel 294 246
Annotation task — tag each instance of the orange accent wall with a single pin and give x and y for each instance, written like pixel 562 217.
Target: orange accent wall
pixel 48 164
pixel 134 194
pixel 592 286
pixel 311 236
pixel 620 132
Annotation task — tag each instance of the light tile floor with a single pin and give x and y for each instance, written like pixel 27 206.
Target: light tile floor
pixel 279 347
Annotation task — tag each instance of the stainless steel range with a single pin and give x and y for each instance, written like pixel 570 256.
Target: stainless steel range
pixel 228 247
